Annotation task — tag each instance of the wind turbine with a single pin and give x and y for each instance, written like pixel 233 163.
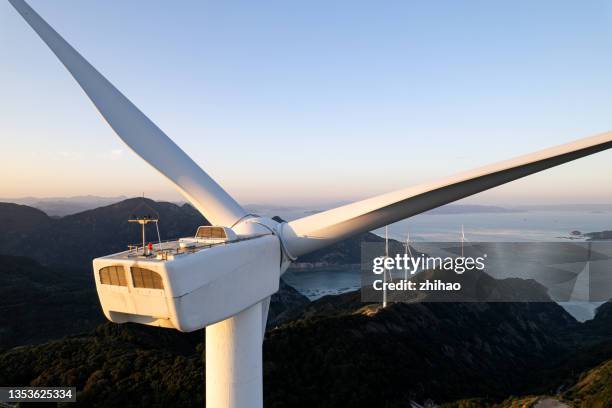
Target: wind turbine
pixel 407 252
pixel 227 287
pixel 385 271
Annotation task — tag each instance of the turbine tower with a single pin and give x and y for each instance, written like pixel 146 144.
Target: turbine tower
pixel 384 302
pixel 222 278
pixel 407 252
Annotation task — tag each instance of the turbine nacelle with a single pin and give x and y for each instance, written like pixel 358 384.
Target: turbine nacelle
pixel 189 287
pixel 193 282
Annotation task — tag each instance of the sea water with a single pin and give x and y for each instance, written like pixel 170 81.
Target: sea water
pixel 543 226
pixel 537 226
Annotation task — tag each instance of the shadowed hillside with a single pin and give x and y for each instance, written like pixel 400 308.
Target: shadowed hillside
pixel 39 303
pixel 364 354
pixel 337 353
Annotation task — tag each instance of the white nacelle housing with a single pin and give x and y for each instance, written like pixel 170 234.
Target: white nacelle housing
pixel 188 288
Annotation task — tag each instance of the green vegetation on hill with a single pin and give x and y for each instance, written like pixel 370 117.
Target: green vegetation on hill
pixel 39 303
pixel 593 389
pixel 338 352
pixel 362 355
pixel 115 366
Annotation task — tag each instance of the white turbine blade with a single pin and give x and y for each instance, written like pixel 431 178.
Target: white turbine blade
pixel 137 131
pixel 316 231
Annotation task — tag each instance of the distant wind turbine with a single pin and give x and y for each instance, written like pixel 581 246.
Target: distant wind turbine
pixel 385 270
pixel 222 278
pixel 407 252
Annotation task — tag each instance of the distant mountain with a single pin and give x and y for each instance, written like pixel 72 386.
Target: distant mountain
pixel 76 239
pixel 17 223
pixel 292 213
pixel 598 236
pixel 62 206
pixel 585 207
pixel 470 209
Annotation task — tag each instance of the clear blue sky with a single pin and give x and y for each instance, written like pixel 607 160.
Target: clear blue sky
pixel 312 102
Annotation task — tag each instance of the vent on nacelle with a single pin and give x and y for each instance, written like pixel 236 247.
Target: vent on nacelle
pixel 211 233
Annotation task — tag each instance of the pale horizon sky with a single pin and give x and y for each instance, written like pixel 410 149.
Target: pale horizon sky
pixel 313 102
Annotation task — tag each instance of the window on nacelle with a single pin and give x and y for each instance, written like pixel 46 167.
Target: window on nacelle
pixel 113 275
pixel 145 278
pixel 211 233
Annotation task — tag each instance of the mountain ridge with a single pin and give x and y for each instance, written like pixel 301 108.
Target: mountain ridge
pixel 76 239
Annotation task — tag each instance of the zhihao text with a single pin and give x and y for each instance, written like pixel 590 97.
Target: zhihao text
pixel 435 285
